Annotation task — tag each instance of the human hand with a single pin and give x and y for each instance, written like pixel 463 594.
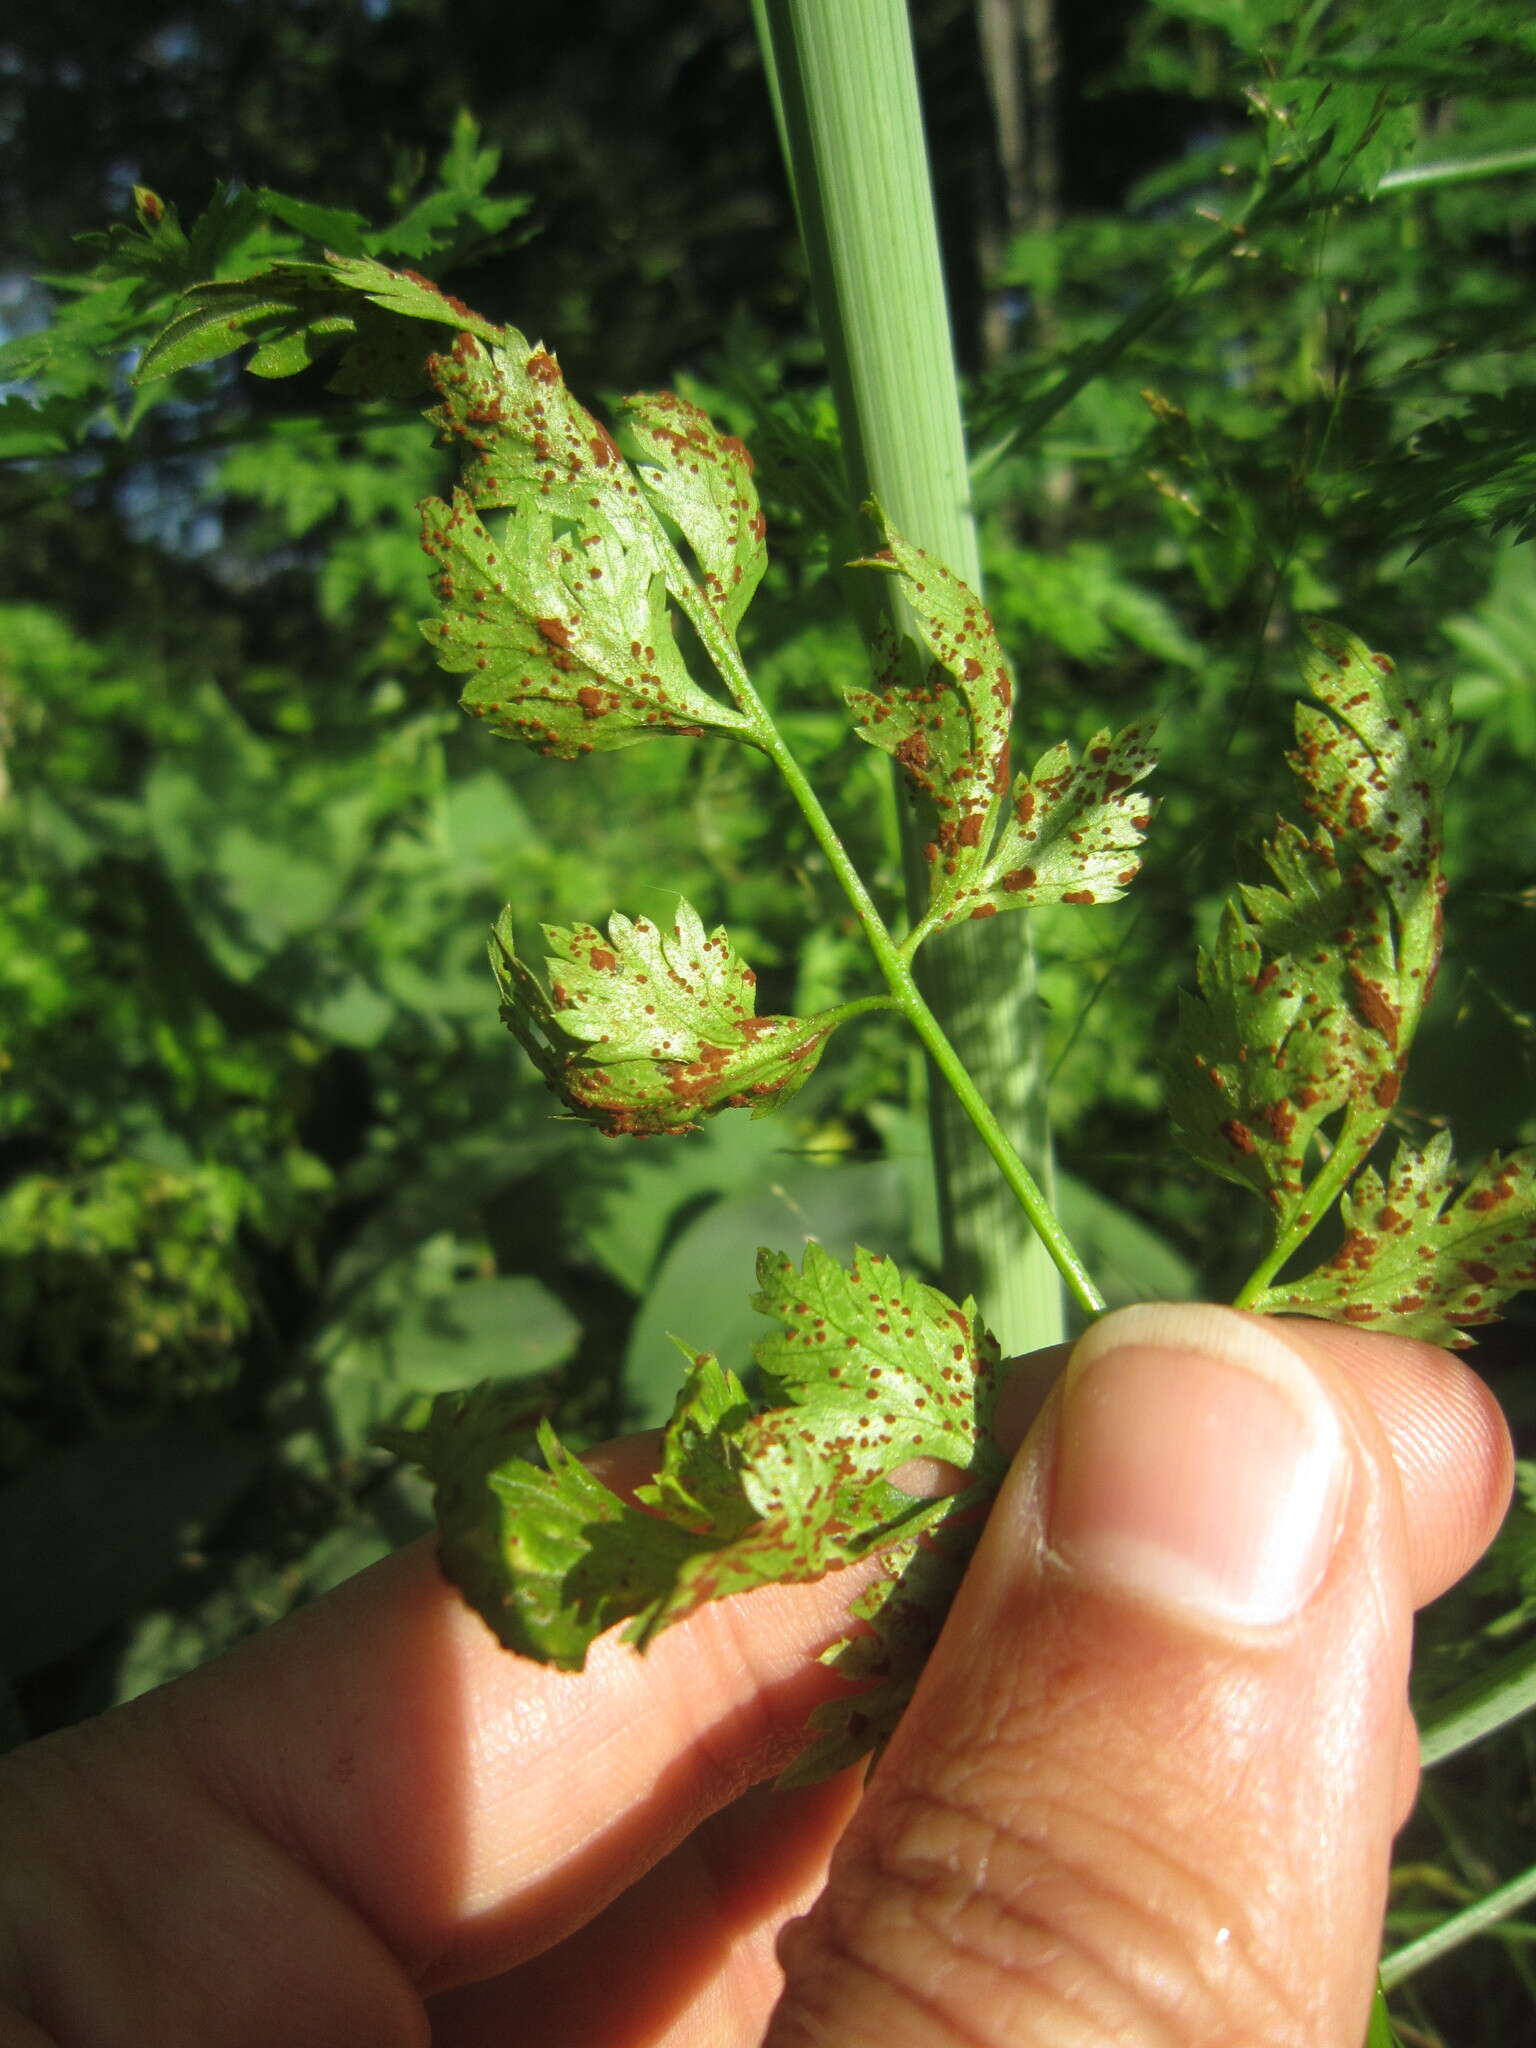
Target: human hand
pixel 1145 1793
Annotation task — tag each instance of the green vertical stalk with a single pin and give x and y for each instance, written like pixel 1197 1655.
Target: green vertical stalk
pixel 845 91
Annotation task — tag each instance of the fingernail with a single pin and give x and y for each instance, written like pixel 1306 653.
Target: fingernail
pixel 1199 1464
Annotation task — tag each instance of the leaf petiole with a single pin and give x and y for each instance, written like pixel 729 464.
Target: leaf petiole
pixel 893 959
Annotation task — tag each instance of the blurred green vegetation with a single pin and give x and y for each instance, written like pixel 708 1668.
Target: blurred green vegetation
pixel 271 1172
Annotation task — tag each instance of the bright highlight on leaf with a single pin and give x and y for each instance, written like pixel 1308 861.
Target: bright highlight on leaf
pixel 644 1032
pixel 868 1370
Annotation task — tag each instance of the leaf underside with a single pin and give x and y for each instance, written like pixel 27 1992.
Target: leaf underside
pixel 555 575
pixel 1290 1055
pixel 645 1032
pixel 867 1370
pixel 1068 832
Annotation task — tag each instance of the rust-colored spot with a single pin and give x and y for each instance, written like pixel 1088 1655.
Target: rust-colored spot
pixel 1237 1135
pixel 1079 896
pixel 1375 1005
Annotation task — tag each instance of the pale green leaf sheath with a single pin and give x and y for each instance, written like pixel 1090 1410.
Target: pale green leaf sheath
pixel 645 1032
pixel 868 1370
pixel 1069 832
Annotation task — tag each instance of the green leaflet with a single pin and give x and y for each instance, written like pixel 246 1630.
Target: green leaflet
pixel 1290 1057
pixel 646 1032
pixel 1422 1255
pixel 298 312
pixel 702 480
pixel 1073 833
pixel 949 726
pixel 560 616
pixel 1070 831
pixel 868 1370
pixel 1307 1005
pixel 564 634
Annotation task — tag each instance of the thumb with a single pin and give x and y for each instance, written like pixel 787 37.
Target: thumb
pixel 1146 1791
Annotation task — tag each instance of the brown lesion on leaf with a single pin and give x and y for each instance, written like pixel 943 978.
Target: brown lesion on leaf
pixel 1374 1003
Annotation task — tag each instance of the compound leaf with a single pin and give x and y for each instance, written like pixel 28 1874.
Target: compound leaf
pixel 644 1032
pixel 297 311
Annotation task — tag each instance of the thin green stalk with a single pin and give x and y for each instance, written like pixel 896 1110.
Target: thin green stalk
pixel 1335 1175
pixel 1481 1918
pixel 1505 1692
pixel 845 79
pixel 1016 1175
pixel 1501 163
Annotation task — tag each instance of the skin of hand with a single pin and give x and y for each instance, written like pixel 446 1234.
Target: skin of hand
pixel 1145 1793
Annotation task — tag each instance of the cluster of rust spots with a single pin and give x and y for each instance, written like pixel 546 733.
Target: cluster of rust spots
pixel 455 306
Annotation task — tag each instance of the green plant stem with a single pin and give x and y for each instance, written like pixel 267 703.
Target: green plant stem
pixel 1355 1141
pixel 844 83
pixel 909 999
pixel 905 994
pixel 1480 1918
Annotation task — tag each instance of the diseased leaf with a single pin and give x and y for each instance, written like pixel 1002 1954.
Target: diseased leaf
pixel 548 1556
pixel 414 297
pixel 644 1032
pixel 948 725
pixel 1072 832
pixel 869 1369
pixel 702 480
pixel 901 1614
pixel 1307 1005
pixel 217 318
pixel 560 616
pixel 1074 828
pixel 1422 1256
pixel 564 634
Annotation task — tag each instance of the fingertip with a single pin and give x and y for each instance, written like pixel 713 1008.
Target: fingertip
pixel 1449 1441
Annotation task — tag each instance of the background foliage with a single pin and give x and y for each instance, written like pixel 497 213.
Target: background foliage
pixel 271 1172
